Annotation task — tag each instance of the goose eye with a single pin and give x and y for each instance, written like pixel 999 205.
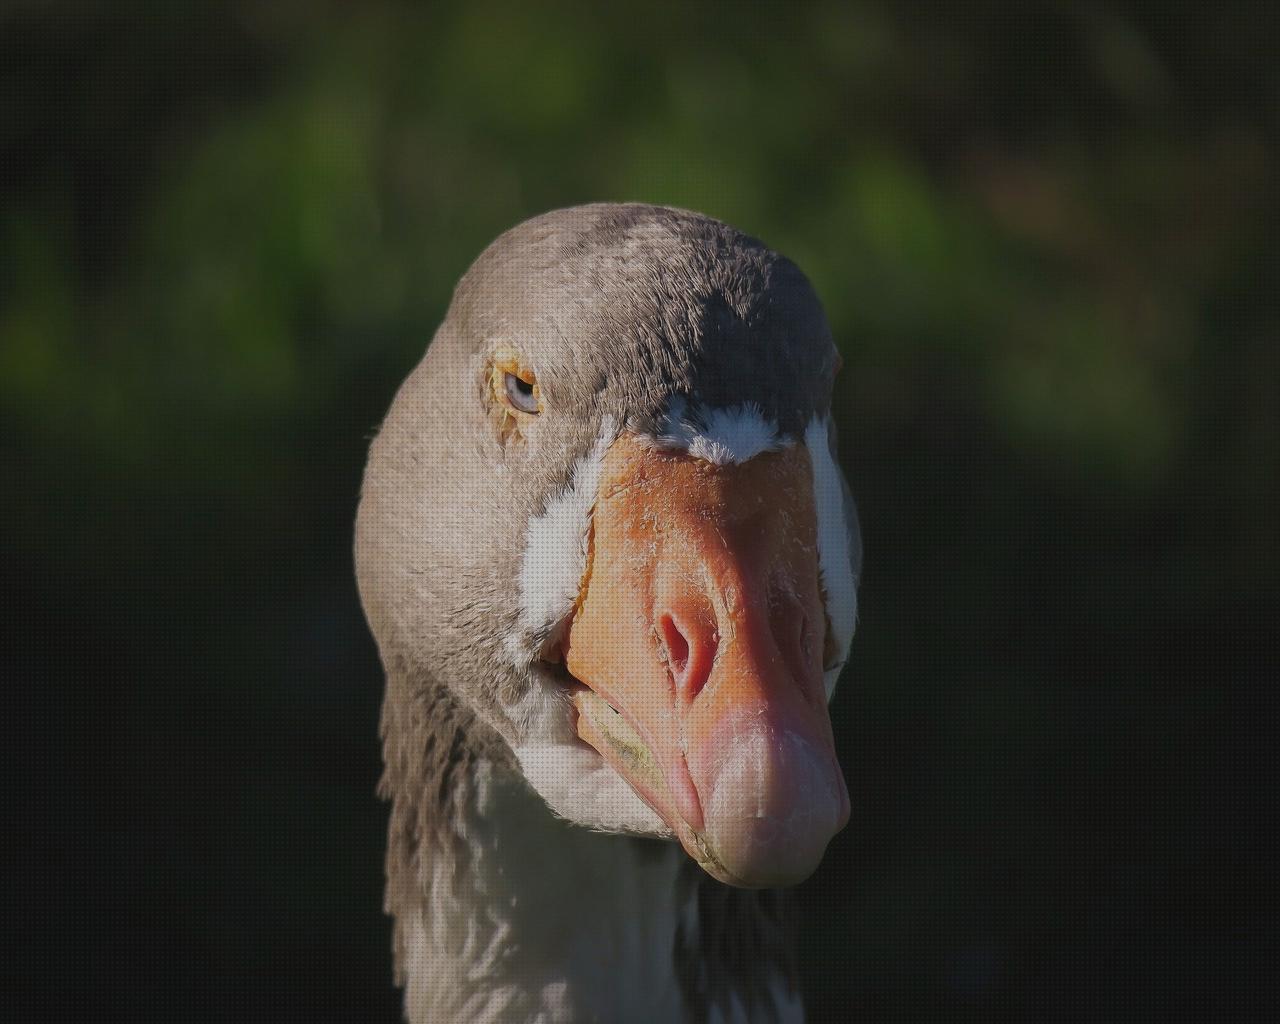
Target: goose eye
pixel 520 393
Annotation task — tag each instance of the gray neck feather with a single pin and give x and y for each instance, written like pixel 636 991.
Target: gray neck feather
pixel 470 842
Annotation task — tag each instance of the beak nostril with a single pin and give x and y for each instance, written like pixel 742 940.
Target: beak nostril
pixel 796 638
pixel 690 650
pixel 676 646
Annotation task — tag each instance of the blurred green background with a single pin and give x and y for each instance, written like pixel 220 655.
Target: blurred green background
pixel 1046 238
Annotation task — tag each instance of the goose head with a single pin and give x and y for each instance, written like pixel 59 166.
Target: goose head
pixel 604 514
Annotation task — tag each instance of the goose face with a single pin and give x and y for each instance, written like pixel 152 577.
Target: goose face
pixel 605 510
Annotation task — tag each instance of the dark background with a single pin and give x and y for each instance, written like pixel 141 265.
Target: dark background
pixel 1046 238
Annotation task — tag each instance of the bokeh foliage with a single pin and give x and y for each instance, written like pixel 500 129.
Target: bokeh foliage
pixel 1044 234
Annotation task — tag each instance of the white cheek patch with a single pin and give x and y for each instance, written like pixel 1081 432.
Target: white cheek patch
pixel 573 780
pixel 835 545
pixel 555 554
pixel 720 436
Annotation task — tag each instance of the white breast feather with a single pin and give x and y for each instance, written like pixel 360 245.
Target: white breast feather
pixel 544 922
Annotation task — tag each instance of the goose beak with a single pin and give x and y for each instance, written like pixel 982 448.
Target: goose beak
pixel 698 641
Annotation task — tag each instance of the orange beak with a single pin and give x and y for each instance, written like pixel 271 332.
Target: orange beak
pixel 699 639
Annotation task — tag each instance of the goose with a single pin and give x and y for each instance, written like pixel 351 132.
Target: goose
pixel 610 562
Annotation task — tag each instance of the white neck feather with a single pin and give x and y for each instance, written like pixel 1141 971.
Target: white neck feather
pixel 544 921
